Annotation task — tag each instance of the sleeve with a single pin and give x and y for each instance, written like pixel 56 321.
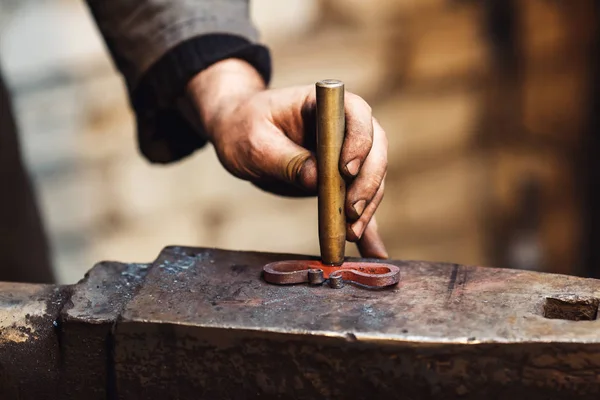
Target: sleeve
pixel 158 46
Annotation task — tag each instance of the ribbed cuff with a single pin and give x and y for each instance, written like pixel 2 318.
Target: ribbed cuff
pixel 164 135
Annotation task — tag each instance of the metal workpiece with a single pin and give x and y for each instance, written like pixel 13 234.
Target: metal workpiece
pixel 336 281
pixel 315 276
pixel 366 274
pixel 331 185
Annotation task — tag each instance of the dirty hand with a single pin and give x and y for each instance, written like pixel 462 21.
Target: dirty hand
pixel 268 137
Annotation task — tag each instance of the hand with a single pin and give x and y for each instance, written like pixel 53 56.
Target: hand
pixel 268 137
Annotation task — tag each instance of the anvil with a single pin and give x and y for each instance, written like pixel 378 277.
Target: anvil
pixel 200 324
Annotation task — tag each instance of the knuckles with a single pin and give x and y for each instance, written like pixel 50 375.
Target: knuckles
pixel 357 102
pixel 366 188
pixel 357 145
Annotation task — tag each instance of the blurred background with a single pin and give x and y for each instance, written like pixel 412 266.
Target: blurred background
pixel 488 106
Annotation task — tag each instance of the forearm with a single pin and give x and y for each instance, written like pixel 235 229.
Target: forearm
pixel 139 33
pixel 217 90
pixel 159 45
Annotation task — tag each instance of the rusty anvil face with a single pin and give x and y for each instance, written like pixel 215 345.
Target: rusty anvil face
pixel 199 323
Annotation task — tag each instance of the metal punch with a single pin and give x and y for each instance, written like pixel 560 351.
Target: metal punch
pixel 332 218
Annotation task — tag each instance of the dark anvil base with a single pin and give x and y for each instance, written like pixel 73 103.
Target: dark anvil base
pixel 200 323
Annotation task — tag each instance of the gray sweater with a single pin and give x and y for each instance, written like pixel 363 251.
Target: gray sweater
pixel 158 45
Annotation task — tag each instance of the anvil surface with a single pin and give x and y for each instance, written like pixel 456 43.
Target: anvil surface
pixel 434 302
pixel 201 323
pixel 446 331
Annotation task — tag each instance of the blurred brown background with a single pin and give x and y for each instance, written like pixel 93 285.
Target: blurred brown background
pixel 488 106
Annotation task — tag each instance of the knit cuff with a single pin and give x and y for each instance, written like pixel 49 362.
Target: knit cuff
pixel 164 135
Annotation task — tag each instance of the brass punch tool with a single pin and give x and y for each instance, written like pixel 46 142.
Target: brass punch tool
pixel 332 219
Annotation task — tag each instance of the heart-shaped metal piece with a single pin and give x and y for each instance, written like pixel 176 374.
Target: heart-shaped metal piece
pixel 368 274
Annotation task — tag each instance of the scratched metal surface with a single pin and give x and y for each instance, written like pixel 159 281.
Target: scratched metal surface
pixel 100 297
pixel 434 302
pixel 204 325
pixel 86 322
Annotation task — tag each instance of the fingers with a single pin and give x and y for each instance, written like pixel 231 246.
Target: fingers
pixel 359 135
pixel 268 141
pixel 280 162
pixel 370 244
pixel 356 230
pixel 361 195
pixel 290 154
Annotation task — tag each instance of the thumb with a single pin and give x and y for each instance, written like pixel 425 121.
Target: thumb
pixel 301 170
pixel 289 169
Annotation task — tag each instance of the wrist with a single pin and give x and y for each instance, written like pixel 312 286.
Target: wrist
pixel 218 90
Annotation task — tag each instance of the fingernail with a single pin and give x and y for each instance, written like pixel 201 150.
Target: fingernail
pixel 359 207
pixel 357 229
pixel 352 167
